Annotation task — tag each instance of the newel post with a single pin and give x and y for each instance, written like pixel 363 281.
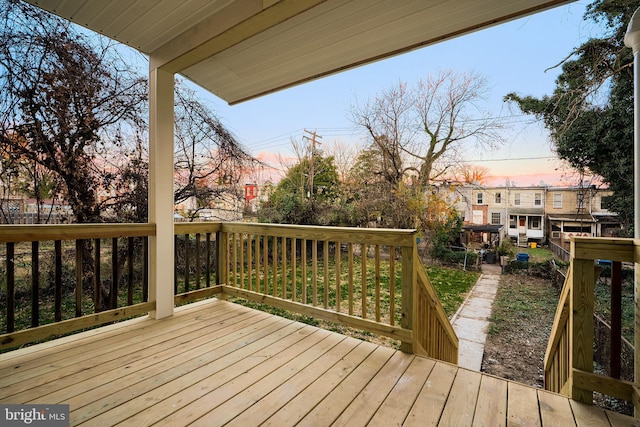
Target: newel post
pixel 222 257
pixel 409 282
pixel 581 323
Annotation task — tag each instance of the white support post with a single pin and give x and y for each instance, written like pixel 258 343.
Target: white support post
pixel 161 246
pixel 632 40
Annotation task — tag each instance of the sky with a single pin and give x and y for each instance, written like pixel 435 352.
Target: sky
pixel 518 56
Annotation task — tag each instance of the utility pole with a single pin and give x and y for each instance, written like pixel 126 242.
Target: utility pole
pixel 314 140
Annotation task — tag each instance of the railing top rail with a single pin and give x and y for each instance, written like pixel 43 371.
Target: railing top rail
pixel 613 249
pixel 196 227
pixel 374 236
pixel 42 232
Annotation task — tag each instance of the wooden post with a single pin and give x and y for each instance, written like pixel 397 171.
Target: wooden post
pixel 161 246
pixel 581 326
pixel 409 280
pixel 222 254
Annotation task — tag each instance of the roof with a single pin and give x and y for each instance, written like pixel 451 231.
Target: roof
pixel 572 217
pixel 241 49
pixel 491 228
pixel 526 211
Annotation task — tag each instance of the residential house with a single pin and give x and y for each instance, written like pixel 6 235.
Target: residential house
pixel 533 214
pixel 580 211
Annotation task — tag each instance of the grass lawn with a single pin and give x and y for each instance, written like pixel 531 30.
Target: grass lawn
pixel 451 286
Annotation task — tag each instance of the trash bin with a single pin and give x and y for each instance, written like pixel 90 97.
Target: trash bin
pixel 522 257
pixel 490 258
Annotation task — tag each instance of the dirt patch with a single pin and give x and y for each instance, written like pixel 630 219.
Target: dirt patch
pixel 522 318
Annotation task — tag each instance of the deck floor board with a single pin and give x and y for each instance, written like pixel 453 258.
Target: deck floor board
pixel 218 363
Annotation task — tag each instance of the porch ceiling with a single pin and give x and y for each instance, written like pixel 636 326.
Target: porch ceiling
pixel 241 49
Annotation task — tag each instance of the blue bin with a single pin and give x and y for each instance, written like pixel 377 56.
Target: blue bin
pixel 522 257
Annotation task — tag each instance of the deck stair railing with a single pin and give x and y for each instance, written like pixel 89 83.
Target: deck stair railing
pixel 370 279
pixel 569 359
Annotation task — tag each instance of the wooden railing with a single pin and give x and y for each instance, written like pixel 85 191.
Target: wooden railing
pixel 432 335
pixel 195 267
pixel 559 251
pixel 369 279
pixel 568 362
pixel 93 300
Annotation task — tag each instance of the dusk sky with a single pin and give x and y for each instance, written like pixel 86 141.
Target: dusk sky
pixel 514 57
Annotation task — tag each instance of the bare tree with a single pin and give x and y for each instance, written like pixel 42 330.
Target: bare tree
pixel 209 162
pixel 345 156
pixel 59 94
pixel 419 131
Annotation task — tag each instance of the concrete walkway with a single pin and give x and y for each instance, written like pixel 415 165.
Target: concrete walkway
pixel 472 318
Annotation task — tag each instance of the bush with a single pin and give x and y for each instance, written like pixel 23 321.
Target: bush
pixel 506 249
pixel 458 257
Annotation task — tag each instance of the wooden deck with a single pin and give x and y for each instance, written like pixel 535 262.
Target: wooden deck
pixel 218 363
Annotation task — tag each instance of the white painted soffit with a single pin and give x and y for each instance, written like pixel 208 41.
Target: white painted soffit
pixel 241 49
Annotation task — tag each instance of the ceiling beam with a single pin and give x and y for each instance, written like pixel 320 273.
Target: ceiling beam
pixel 235 23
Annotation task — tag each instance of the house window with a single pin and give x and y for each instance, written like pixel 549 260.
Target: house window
pixel 498 198
pixel 537 201
pixel 605 202
pixel 557 200
pixel 512 221
pixel 516 199
pixel 495 218
pixel 534 223
pixel 480 198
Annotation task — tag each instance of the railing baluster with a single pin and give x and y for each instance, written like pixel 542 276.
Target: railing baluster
pixel 79 276
pixel 35 284
pixel 363 283
pixel 207 272
pixel 338 257
pixel 234 258
pixel 274 267
pixel 294 274
pixel 187 266
pixel 145 269
pixel 392 285
pixel 284 267
pixel 242 265
pixel 314 271
pixel 250 270
pixel 198 261
pixel 130 251
pixel 113 293
pixel 304 271
pixel 58 280
pixel 350 279
pixel 326 273
pixel 175 264
pixel 377 262
pixel 616 319
pixel 11 287
pixel 96 277
pixel 257 245
pixel 265 262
